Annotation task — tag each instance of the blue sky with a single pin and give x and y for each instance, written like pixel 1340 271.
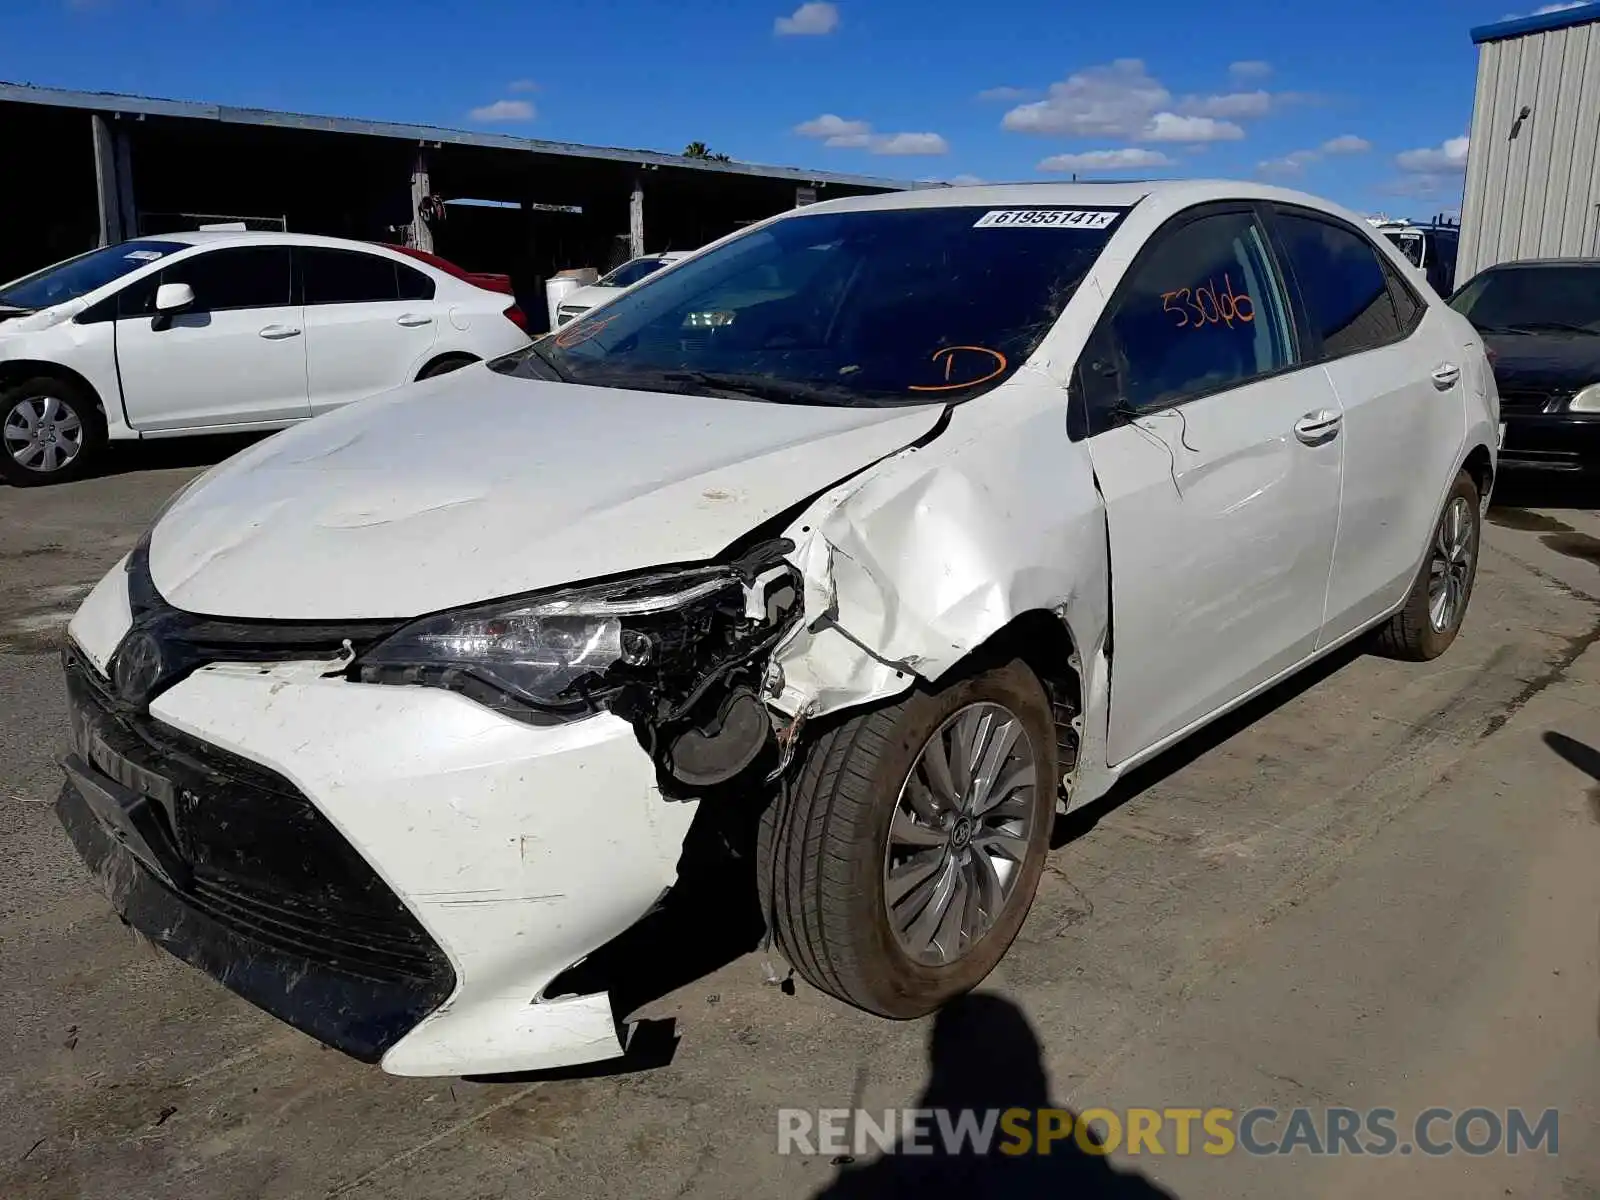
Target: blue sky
pixel 1364 101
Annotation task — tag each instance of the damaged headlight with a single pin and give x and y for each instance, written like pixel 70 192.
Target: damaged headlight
pixel 640 646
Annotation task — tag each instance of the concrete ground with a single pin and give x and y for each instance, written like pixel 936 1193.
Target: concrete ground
pixel 1381 887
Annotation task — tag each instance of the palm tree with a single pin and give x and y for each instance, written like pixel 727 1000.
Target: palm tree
pixel 701 151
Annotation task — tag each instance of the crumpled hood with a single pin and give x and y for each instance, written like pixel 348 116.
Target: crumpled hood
pixel 477 485
pixel 1535 360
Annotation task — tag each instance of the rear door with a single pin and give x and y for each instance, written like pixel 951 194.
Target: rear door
pixel 1219 460
pixel 238 356
pixel 1395 363
pixel 370 323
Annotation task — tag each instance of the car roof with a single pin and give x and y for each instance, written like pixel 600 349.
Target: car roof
pixel 259 237
pixel 1089 194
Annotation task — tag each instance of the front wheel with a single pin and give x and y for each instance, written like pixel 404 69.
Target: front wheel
pixel 1434 610
pixel 50 431
pixel 899 865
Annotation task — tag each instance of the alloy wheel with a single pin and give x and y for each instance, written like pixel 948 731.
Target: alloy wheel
pixel 1450 571
pixel 961 829
pixel 42 433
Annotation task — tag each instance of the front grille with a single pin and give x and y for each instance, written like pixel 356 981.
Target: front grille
pixel 1528 400
pixel 253 852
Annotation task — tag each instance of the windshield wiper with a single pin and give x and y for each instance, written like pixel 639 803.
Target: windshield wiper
pixel 15 310
pixel 1548 326
pixel 517 362
pixel 780 391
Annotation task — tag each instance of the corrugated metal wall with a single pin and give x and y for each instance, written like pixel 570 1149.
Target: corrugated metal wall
pixel 1537 194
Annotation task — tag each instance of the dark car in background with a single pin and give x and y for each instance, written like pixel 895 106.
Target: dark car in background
pixel 1540 320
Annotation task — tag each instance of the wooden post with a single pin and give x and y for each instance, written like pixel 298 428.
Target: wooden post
pixel 636 220
pixel 421 188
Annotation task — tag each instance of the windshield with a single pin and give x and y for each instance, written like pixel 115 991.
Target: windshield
pixel 1533 299
pixel 1410 245
pixel 629 273
pixel 895 306
pixel 82 275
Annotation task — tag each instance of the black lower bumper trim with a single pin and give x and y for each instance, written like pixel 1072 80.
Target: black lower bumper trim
pixel 359 1015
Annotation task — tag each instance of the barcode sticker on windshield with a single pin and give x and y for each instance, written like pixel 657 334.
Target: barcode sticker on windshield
pixel 1050 218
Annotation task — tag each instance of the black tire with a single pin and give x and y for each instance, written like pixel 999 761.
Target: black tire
pixel 72 398
pixel 1411 634
pixel 823 843
pixel 443 366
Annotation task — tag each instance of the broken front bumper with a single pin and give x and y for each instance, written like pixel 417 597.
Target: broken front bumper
pixel 399 872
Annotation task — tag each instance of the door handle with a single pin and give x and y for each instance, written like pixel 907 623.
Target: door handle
pixel 1318 427
pixel 412 320
pixel 276 333
pixel 1445 376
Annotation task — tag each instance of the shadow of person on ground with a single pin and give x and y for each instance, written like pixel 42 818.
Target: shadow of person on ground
pixel 983 1055
pixel 1587 759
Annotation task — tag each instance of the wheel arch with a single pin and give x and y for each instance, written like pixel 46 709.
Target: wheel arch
pixel 464 357
pixel 14 370
pixel 1044 642
pixel 1480 465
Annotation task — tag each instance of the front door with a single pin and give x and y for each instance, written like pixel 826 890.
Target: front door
pixel 1219 461
pixel 238 356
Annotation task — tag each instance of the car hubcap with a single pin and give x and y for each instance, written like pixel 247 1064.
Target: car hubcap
pixel 42 433
pixel 1451 569
pixel 960 833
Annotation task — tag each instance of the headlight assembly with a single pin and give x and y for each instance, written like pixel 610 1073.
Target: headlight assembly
pixel 1587 400
pixel 641 646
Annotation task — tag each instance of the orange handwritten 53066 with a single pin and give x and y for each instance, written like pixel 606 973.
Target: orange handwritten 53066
pixel 1198 307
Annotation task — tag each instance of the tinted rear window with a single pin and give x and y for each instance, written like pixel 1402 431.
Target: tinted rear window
pixel 1343 284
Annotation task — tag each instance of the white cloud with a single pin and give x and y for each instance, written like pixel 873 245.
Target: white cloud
pixel 965 180
pixel 1448 158
pixel 522 85
pixel 1114 100
pixel 504 110
pixel 1122 99
pixel 1127 158
pixel 836 131
pixel 1293 163
pixel 814 18
pixel 1296 161
pixel 909 143
pixel 1170 127
pixel 1008 95
pixel 1231 106
pixel 1546 9
pixel 1346 143
pixel 1250 68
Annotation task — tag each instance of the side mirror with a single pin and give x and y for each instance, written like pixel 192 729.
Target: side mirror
pixel 174 298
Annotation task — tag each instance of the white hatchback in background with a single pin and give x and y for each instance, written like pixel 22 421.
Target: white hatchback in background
pixel 575 304
pixel 896 524
pixel 222 332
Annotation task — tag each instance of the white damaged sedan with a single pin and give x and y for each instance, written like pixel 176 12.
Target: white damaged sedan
pixel 905 521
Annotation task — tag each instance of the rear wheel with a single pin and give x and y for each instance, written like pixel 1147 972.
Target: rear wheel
pixel 899 865
pixel 51 431
pixel 1434 610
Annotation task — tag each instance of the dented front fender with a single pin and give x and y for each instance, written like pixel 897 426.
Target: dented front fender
pixel 912 566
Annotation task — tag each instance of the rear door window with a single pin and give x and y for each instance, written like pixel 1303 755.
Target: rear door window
pixel 1342 283
pixel 348 277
